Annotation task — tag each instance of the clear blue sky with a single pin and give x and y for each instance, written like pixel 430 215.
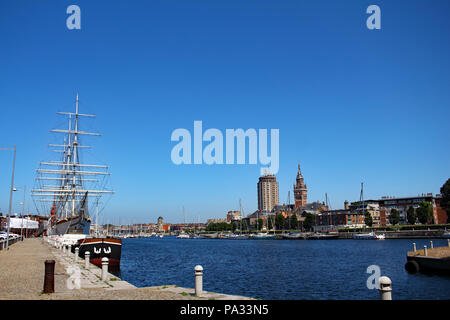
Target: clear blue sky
pixel 351 104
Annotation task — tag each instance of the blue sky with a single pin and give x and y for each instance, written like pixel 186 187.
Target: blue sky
pixel 351 104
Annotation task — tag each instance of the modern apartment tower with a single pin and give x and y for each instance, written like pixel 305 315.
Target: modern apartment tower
pixel 300 190
pixel 267 192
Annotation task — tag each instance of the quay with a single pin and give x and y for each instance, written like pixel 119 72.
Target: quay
pixel 23 269
pixel 429 259
pixel 402 234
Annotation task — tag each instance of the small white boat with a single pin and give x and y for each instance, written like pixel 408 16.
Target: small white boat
pixel 263 236
pixel 380 236
pixel 446 235
pixel 365 236
pixel 369 236
pixel 238 237
pixel 183 236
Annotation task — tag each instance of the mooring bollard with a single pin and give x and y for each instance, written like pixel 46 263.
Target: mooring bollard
pixel 198 271
pixel 86 259
pixel 105 262
pixel 425 251
pixel 414 246
pixel 385 288
pixel 49 276
pixel 431 244
pixel 77 250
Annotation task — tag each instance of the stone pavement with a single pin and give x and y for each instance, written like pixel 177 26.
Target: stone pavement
pixel 22 277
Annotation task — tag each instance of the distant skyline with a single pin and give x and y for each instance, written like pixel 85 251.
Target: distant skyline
pixel 351 104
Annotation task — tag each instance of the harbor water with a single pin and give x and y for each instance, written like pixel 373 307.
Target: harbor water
pixel 283 269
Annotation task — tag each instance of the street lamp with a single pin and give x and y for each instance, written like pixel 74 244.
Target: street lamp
pixel 10 193
pixel 23 210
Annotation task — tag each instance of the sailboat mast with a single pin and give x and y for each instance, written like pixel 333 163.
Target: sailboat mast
pixel 240 212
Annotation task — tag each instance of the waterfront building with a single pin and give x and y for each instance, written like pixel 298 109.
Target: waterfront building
pixel 370 206
pixel 233 215
pixel 386 204
pixel 268 196
pixel 252 218
pixel 332 220
pixel 300 190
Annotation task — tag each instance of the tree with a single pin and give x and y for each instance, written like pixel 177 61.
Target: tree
pixel 235 226
pixel 424 212
pixel 279 221
pixel 411 215
pixel 309 220
pixel 368 219
pixel 394 218
pixel 260 224
pixel 445 201
pixel 244 225
pixel 269 223
pixel 293 222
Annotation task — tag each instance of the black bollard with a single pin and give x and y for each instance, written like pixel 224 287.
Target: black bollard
pixel 49 278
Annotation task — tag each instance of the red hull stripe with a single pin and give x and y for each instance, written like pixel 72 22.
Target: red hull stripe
pixel 98 262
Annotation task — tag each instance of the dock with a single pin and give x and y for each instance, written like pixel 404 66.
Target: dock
pixel 22 278
pixel 429 260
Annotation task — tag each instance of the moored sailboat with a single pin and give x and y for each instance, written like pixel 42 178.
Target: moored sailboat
pixel 74 183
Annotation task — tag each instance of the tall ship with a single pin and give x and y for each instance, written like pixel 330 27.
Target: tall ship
pixel 67 189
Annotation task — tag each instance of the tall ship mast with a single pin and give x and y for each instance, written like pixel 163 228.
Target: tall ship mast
pixel 65 187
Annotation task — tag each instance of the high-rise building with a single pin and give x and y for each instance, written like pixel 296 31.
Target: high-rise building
pixel 300 190
pixel 267 192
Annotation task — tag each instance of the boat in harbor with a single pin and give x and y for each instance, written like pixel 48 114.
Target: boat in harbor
pixel 292 236
pixel 67 185
pixel 369 236
pixel 209 236
pixel 322 236
pixel 446 235
pixel 263 236
pixel 183 235
pixel 238 236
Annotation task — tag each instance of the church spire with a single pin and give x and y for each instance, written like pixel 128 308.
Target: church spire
pixel 299 173
pixel 300 190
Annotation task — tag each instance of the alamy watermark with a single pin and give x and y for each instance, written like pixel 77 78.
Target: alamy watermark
pixel 74 20
pixel 74 281
pixel 213 152
pixel 373 280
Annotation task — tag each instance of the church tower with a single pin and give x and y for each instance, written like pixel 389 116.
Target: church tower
pixel 300 190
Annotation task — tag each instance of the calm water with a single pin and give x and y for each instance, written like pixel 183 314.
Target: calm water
pixel 283 269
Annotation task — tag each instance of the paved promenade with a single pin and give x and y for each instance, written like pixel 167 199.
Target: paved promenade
pixel 22 278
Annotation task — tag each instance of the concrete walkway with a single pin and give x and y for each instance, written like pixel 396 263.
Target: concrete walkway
pixel 22 277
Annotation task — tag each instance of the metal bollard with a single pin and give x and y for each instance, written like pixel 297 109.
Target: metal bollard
pixel 385 288
pixel 77 250
pixel 69 250
pixel 86 259
pixel 431 244
pixel 105 262
pixel 425 251
pixel 414 246
pixel 198 272
pixel 49 276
